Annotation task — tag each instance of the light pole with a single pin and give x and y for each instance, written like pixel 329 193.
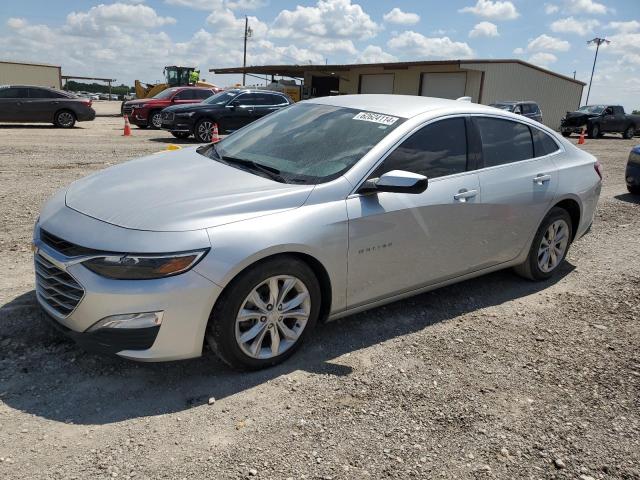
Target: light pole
pixel 598 41
pixel 247 34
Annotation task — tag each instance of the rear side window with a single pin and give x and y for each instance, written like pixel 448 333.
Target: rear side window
pixel 534 108
pixel 13 92
pixel 504 141
pixel 44 93
pixel 202 94
pixel 185 95
pixel 275 99
pixel 543 144
pixel 436 150
pixel 255 99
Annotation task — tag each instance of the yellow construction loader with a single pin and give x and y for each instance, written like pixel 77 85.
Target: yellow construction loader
pixel 175 77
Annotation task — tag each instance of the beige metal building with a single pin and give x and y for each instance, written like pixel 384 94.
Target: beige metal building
pixel 485 81
pixel 23 73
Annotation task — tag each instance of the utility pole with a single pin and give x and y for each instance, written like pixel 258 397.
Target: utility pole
pixel 598 41
pixel 247 34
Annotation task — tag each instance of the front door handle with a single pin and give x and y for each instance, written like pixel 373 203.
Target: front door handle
pixel 465 194
pixel 540 179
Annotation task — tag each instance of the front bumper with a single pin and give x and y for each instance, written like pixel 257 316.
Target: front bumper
pixel 139 117
pixel 172 123
pixel 632 175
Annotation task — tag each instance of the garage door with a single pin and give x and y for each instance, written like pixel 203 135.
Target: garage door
pixel 376 83
pixel 443 85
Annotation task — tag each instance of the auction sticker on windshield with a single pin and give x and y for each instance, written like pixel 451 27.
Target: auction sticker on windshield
pixel 376 118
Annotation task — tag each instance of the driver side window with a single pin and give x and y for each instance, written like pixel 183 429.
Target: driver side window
pixel 436 150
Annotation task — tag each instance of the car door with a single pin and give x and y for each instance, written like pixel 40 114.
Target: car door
pixel 12 101
pixel 267 103
pixel 42 104
pixel 619 118
pixel 184 97
pixel 607 121
pixel 517 185
pixel 401 241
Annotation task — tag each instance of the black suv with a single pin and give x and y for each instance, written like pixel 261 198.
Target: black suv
pixel 230 110
pixel 525 108
pixel 33 104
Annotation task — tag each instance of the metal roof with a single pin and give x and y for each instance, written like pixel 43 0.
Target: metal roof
pixel 299 70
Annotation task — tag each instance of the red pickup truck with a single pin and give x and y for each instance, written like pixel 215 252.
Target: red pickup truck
pixel 146 112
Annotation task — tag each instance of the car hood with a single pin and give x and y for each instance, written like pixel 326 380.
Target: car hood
pixel 178 191
pixel 578 118
pixel 191 107
pixel 142 101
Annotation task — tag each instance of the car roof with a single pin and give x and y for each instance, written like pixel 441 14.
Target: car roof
pixel 512 102
pixel 406 106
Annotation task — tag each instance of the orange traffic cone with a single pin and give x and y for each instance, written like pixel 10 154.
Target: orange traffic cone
pixel 581 139
pixel 127 127
pixel 215 138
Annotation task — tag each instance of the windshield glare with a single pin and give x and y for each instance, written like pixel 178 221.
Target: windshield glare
pixel 221 98
pixel 168 93
pixel 307 143
pixel 503 106
pixel 597 109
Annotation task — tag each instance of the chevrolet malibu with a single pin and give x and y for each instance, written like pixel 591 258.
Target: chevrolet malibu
pixel 322 209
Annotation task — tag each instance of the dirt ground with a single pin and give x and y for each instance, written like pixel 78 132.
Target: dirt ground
pixel 495 377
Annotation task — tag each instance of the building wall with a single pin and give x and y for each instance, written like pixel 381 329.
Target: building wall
pixel 513 81
pixel 25 74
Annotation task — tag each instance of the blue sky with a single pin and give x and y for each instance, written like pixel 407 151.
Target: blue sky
pixel 130 39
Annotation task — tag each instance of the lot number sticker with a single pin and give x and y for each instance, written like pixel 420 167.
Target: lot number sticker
pixel 376 118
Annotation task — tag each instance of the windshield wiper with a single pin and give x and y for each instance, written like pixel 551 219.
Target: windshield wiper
pixel 271 172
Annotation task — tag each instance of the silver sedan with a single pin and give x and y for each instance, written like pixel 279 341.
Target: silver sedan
pixel 328 207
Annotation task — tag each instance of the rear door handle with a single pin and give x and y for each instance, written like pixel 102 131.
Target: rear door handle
pixel 465 194
pixel 540 179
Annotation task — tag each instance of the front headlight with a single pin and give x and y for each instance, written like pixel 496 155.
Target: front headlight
pixel 144 267
pixel 185 115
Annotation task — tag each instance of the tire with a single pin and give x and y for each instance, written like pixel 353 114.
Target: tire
pixel 566 134
pixel 629 132
pixel 155 120
pixel 594 131
pixel 202 130
pixel 64 119
pixel 531 268
pixel 634 190
pixel 225 330
pixel 181 135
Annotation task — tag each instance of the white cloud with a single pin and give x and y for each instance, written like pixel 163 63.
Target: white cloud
pixel 518 51
pixel 625 27
pixel 543 59
pixel 547 42
pixel 327 19
pixel 16 23
pixel 498 10
pixel 399 17
pixel 586 7
pixel 105 18
pixel 574 25
pixel 415 44
pixel 625 46
pixel 375 54
pixel 246 4
pixel 209 5
pixel 226 23
pixel 550 8
pixel 484 29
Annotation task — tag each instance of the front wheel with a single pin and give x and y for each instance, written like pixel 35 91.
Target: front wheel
pixel 566 134
pixel 181 135
pixel 64 119
pixel 155 119
pixel 549 247
pixel 202 131
pixel 265 313
pixel 629 132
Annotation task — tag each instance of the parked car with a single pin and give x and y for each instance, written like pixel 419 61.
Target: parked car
pixel 325 208
pixel 145 112
pixel 33 104
pixel 600 119
pixel 632 175
pixel 230 110
pixel 526 108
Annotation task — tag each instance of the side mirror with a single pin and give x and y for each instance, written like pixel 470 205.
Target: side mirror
pixel 397 181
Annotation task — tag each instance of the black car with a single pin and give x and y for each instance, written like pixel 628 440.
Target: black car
pixel 632 175
pixel 521 107
pixel 599 119
pixel 32 104
pixel 230 110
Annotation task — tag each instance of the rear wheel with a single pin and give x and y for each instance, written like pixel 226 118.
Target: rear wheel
pixel 202 131
pixel 181 135
pixel 264 314
pixel 566 134
pixel 635 190
pixel 64 119
pixel 549 247
pixel 629 132
pixel 155 119
pixel 594 131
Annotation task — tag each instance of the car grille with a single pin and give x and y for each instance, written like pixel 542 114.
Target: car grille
pixel 66 248
pixel 167 116
pixel 56 288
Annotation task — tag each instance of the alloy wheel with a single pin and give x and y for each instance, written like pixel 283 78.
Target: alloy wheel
pixel 553 246
pixel 272 317
pixel 156 120
pixel 204 131
pixel 65 119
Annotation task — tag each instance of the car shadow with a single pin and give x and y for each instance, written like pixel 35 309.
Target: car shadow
pixel 628 197
pixel 44 374
pixel 38 126
pixel 179 141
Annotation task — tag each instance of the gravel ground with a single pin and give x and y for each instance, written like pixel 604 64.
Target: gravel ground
pixel 495 377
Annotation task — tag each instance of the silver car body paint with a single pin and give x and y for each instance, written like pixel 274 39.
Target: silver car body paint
pixel 374 248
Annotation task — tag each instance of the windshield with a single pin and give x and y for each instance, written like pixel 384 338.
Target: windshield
pixel 222 98
pixel 597 109
pixel 307 143
pixel 168 93
pixel 503 106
